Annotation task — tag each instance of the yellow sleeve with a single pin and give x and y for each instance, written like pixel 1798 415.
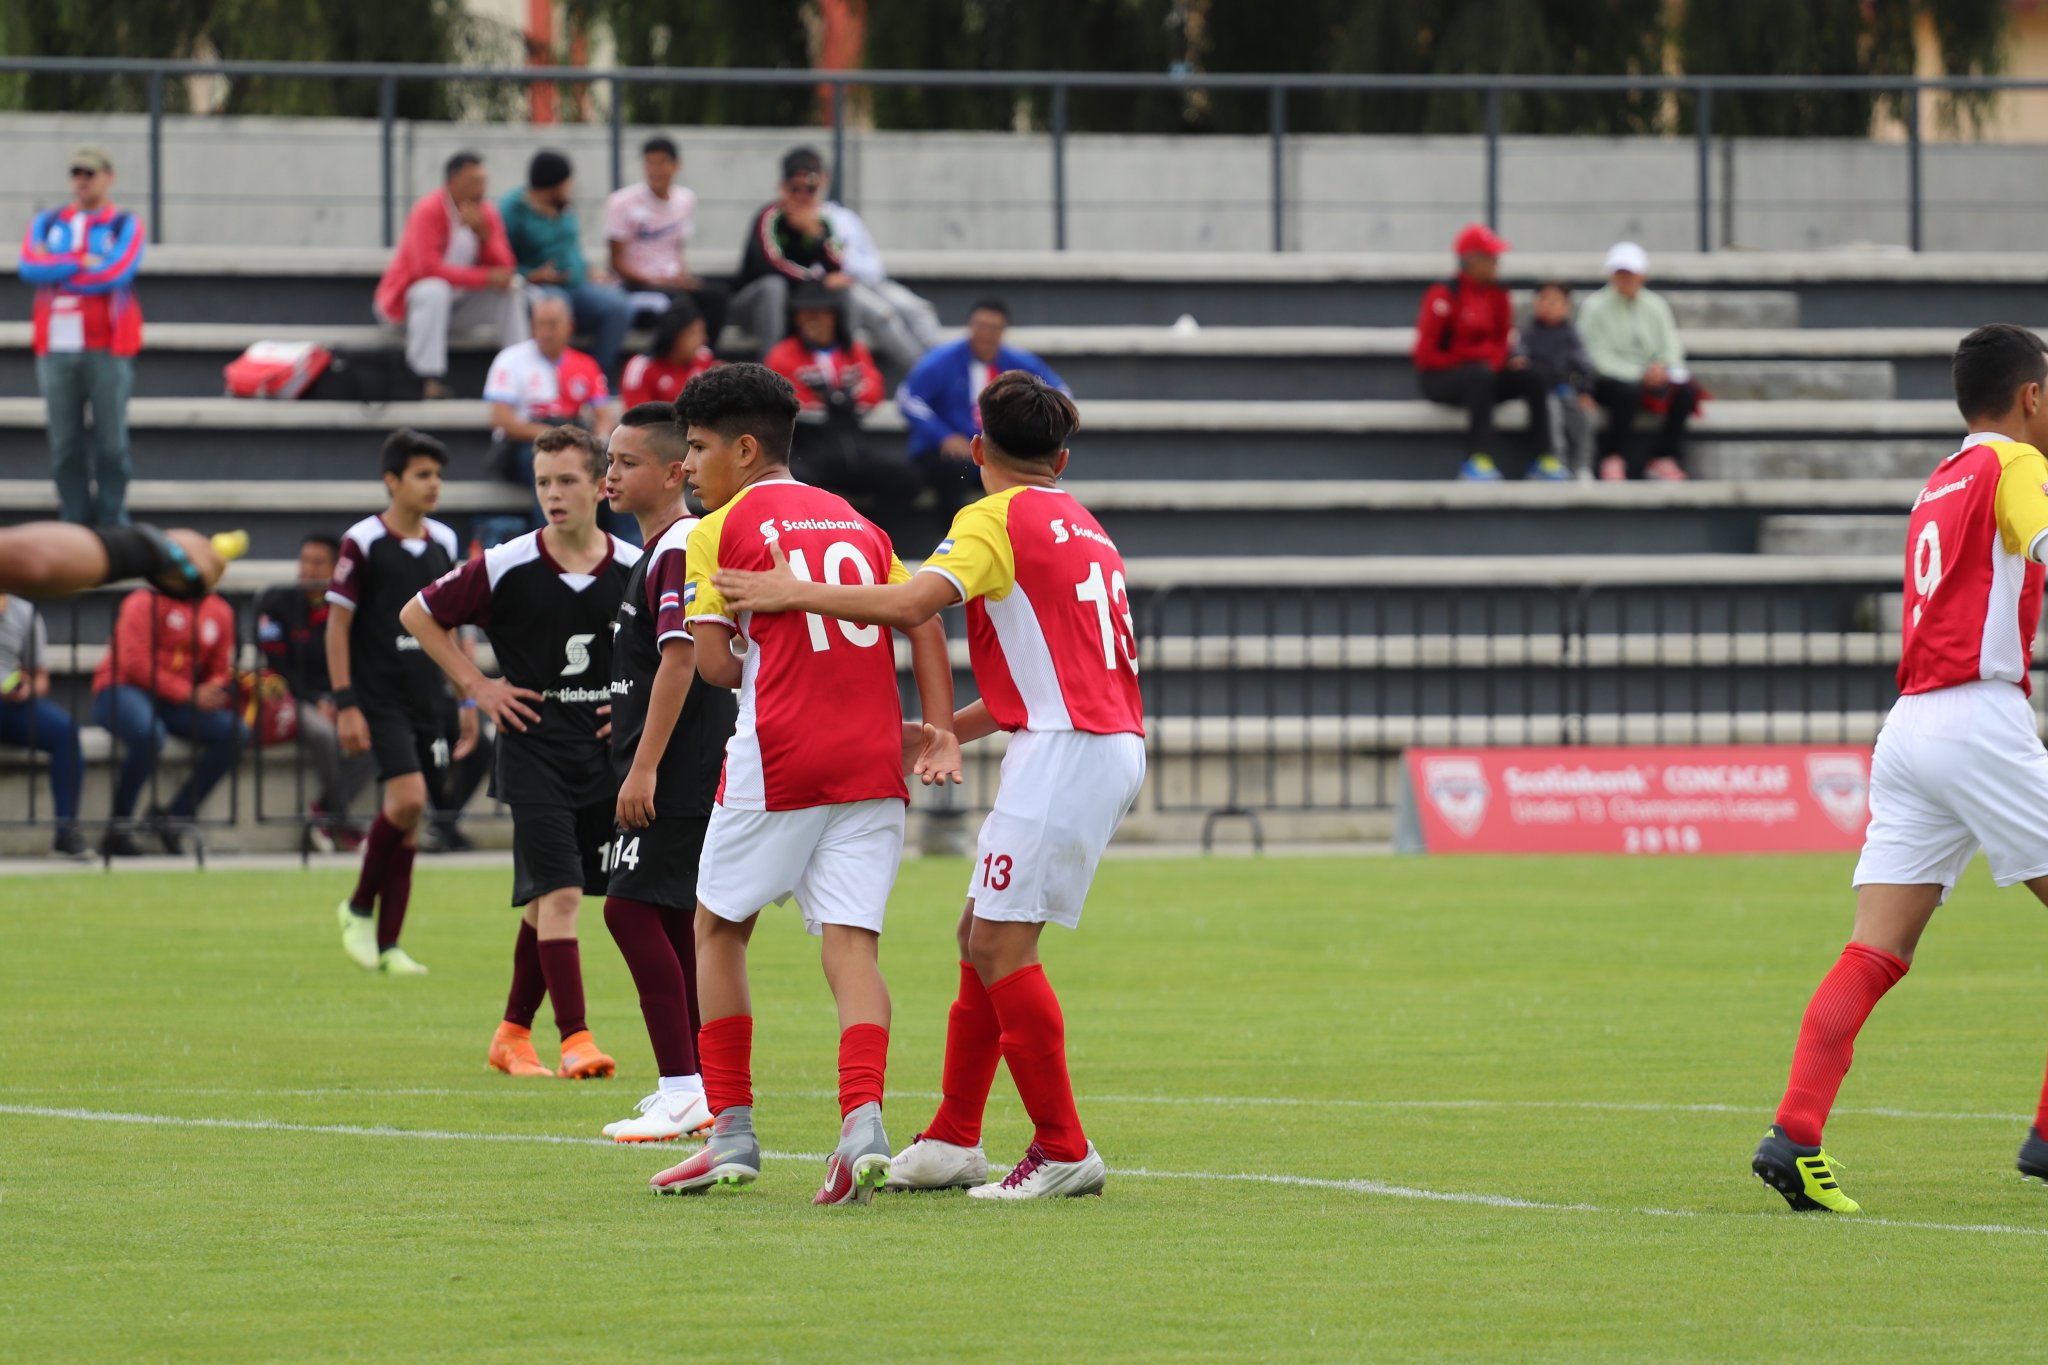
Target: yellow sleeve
pixel 701 601
pixel 897 573
pixel 976 554
pixel 2022 500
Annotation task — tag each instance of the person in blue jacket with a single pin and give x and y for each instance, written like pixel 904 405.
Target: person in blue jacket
pixel 938 396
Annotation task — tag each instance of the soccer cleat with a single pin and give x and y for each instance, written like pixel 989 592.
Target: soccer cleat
pixel 395 961
pixel 1479 469
pixel 663 1118
pixel 1549 469
pixel 731 1156
pixel 859 1165
pixel 1039 1177
pixel 582 1060
pixel 358 937
pixel 1804 1175
pixel 929 1164
pixel 2033 1160
pixel 512 1052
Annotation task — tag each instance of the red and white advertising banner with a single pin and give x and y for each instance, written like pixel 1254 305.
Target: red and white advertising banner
pixel 1741 798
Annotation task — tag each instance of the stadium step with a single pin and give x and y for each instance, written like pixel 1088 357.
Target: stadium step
pixel 1845 535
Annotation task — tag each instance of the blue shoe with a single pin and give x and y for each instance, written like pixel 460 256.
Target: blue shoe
pixel 1479 469
pixel 1549 469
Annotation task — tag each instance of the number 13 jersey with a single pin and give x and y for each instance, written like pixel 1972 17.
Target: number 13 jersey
pixel 1973 570
pixel 1048 613
pixel 820 716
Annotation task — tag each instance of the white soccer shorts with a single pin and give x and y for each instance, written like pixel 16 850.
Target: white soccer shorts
pixel 1955 769
pixel 1061 797
pixel 838 861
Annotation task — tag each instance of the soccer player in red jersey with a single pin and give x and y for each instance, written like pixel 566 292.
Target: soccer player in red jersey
pixel 1959 762
pixel 1054 654
pixel 812 800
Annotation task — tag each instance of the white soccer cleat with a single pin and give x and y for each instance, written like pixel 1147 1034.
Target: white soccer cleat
pixel 358 937
pixel 929 1164
pixel 398 962
pixel 1036 1177
pixel 663 1118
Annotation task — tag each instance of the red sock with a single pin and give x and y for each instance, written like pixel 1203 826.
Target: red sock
pixel 1827 1037
pixel 1034 1042
pixel 2041 1114
pixel 529 985
pixel 863 1057
pixel 383 837
pixel 974 1047
pixel 561 963
pixel 664 988
pixel 396 893
pixel 726 1048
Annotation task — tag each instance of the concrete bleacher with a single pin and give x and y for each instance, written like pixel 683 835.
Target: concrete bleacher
pixel 1250 431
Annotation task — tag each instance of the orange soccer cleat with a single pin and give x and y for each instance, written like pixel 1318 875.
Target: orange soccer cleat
pixel 582 1060
pixel 512 1052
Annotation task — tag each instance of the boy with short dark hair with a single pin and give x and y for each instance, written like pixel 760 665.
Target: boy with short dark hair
pixel 1559 360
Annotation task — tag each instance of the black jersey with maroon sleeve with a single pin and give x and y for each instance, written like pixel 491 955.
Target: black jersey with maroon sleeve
pixel 377 573
pixel 651 614
pixel 552 632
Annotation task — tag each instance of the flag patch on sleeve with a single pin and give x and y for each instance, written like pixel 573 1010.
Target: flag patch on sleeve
pixel 945 547
pixel 689 594
pixel 671 599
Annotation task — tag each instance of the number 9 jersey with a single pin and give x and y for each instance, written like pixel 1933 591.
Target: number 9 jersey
pixel 1973 570
pixel 820 715
pixel 1048 613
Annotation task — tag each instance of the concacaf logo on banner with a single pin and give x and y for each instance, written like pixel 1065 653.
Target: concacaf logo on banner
pixel 1760 798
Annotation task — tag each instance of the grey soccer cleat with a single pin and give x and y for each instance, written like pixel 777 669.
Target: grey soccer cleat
pixel 860 1164
pixel 730 1156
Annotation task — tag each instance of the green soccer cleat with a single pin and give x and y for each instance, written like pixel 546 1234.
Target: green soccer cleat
pixel 358 937
pixel 397 962
pixel 1804 1175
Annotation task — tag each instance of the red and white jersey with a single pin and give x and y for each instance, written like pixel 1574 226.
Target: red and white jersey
pixel 820 717
pixel 1973 567
pixel 1048 614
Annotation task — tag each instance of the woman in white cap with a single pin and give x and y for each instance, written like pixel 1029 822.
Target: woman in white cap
pixel 1634 343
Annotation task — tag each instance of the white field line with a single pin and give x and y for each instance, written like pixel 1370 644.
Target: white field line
pixel 1358 1186
pixel 491 1090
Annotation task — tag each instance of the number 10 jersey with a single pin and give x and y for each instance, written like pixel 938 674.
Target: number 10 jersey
pixel 1048 613
pixel 1973 571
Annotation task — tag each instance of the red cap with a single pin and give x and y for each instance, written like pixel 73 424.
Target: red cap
pixel 1479 240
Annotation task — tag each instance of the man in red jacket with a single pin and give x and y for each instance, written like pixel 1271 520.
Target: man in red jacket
pixel 453 268
pixel 169 670
pixel 837 385
pixel 1464 336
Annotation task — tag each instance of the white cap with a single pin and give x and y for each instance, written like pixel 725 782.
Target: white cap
pixel 1628 256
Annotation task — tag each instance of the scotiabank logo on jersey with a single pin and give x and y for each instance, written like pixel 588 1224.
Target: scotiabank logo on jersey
pixel 1763 798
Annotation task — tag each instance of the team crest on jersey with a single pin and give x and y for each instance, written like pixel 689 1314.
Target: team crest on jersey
pixel 1458 789
pixel 1841 784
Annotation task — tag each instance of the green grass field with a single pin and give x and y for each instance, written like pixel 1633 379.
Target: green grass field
pixel 1352 1108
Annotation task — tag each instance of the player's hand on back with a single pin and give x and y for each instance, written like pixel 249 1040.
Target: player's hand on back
pixel 604 731
pixel 773 589
pixel 506 704
pixel 636 799
pixel 938 758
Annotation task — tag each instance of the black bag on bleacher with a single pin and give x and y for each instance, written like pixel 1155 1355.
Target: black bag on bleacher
pixel 366 374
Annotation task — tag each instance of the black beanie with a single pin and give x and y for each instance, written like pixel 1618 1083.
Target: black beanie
pixel 547 170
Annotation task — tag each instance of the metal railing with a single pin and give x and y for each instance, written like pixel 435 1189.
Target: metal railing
pixel 1057 86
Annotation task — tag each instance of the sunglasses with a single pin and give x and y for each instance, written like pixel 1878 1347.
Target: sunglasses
pixel 85 171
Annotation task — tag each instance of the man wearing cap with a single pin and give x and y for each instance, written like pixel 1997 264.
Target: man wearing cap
pixel 82 260
pixel 549 246
pixel 1463 336
pixel 1630 333
pixel 453 268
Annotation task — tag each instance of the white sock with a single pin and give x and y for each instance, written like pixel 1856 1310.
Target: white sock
pixel 682 1085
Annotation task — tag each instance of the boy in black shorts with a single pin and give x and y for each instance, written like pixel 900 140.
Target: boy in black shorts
pixel 547 601
pixel 669 730
pixel 387 693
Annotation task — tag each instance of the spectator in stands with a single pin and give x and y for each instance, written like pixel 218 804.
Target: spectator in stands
pixel 545 238
pixel 291 630
pixel 1634 342
pixel 82 260
pixel 1560 362
pixel 453 268
pixel 540 383
pixel 837 386
pixel 1463 355
pixel 938 399
pixel 168 670
pixel 30 720
pixel 677 354
pixel 792 241
pixel 903 325
pixel 649 226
